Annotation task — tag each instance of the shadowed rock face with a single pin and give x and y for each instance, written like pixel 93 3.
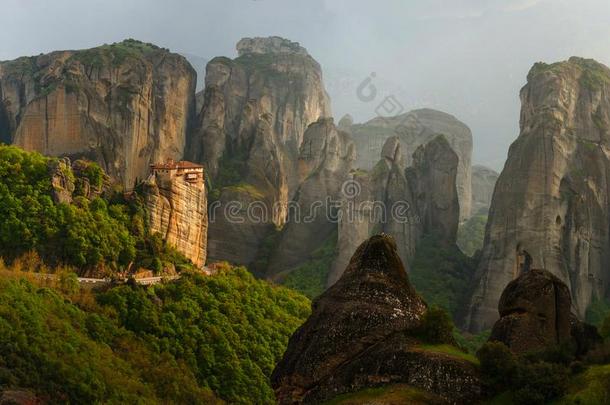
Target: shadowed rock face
pixel 483 183
pixel 357 337
pixel 325 159
pixel 535 313
pixel 402 203
pixel 255 111
pixel 433 176
pixel 414 129
pixel 125 105
pixel 551 200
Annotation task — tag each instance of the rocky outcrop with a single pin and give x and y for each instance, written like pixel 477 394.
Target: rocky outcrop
pixel 325 160
pixel 432 176
pixel 483 183
pixel 404 203
pixel 176 208
pixel 414 129
pixel 79 179
pixel 255 112
pixel 123 105
pixel 550 205
pixel 535 315
pixel 358 336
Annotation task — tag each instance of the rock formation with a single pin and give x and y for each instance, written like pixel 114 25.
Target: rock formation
pixel 550 205
pixel 483 184
pixel 79 179
pixel 404 203
pixel 432 176
pixel 123 105
pixel 255 111
pixel 325 160
pixel 535 315
pixel 413 129
pixel 359 336
pixel 176 205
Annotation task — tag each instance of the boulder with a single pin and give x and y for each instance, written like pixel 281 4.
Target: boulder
pixel 535 314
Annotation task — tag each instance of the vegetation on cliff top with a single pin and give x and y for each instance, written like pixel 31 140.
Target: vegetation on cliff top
pixel 594 74
pixel 116 53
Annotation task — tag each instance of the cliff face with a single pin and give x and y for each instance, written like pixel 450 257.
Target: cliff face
pixel 250 129
pixel 325 160
pixel 433 175
pixel 177 210
pixel 483 183
pixel 404 203
pixel 358 336
pixel 550 205
pixel 414 129
pixel 124 105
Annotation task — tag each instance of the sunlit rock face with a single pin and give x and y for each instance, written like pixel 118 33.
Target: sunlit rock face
pixel 255 111
pixel 176 205
pixel 124 105
pixel 413 129
pixel 550 205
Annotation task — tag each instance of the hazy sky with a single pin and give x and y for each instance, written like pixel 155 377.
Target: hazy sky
pixel 465 57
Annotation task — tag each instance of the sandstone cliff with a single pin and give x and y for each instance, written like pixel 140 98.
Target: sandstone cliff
pixel 76 179
pixel 325 160
pixel 550 205
pixel 176 208
pixel 404 203
pixel 360 334
pixel 255 111
pixel 413 129
pixel 124 105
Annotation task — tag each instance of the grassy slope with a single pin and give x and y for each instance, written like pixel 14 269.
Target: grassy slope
pixel 388 395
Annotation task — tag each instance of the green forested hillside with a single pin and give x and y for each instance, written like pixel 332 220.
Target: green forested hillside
pixel 191 341
pixel 101 233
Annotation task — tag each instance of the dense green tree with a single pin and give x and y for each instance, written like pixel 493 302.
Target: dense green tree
pixel 231 329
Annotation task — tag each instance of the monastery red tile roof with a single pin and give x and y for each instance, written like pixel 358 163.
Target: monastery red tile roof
pixel 172 165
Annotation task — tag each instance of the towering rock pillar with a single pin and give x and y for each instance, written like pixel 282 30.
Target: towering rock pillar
pixel 550 207
pixel 413 129
pixel 176 204
pixel 255 112
pixel 404 203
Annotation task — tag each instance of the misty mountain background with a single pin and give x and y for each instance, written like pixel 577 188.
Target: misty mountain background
pixel 466 57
